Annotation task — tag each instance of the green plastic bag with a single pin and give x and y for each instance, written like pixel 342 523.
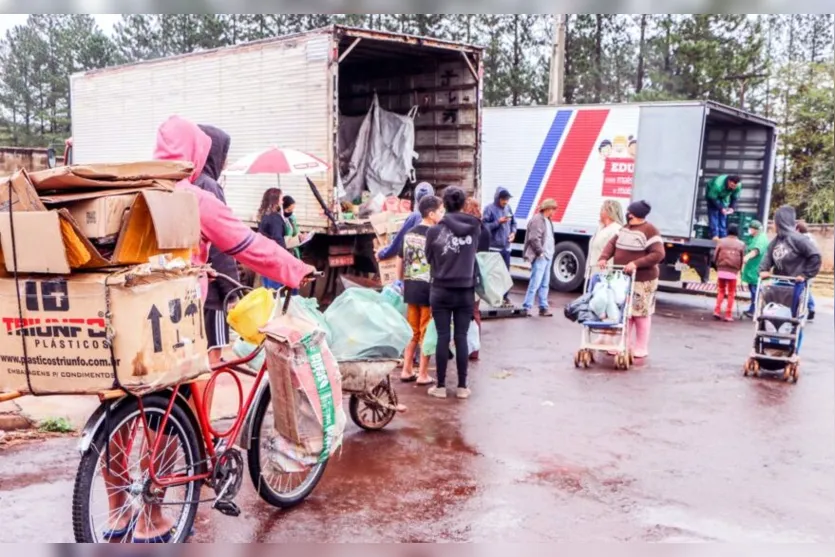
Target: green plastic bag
pixel 364 326
pixel 394 296
pixel 308 309
pixel 430 340
pixel 495 278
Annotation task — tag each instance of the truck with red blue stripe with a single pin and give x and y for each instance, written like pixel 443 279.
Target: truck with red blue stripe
pixel 664 153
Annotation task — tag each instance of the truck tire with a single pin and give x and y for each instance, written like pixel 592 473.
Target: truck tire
pixel 569 268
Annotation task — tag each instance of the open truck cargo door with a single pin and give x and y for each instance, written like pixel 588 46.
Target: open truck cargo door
pixel 667 169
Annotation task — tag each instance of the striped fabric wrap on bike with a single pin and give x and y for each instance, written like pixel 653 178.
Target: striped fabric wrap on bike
pixel 323 386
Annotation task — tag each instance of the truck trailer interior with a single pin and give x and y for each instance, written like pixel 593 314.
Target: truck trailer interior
pixel 734 143
pixel 737 144
pixel 440 79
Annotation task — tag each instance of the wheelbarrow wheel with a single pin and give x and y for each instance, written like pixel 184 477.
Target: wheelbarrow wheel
pixel 375 410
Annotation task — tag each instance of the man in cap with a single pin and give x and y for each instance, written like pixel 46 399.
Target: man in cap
pixel 539 252
pixel 754 252
pixel 500 222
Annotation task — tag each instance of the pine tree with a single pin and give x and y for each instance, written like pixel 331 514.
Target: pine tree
pixel 137 37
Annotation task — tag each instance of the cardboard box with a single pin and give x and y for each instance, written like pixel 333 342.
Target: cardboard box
pixel 101 217
pixel 17 191
pixel 52 242
pixel 390 270
pixel 112 176
pixel 152 320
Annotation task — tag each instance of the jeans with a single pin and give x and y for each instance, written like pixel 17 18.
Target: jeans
pixel 452 306
pixel 811 300
pixel 718 223
pixel 540 283
pixel 752 288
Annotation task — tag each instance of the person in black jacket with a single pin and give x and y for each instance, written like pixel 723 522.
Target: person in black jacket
pixel 272 225
pixel 451 248
pixel 217 330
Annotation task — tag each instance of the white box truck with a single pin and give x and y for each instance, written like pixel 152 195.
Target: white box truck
pixel 664 153
pixel 292 92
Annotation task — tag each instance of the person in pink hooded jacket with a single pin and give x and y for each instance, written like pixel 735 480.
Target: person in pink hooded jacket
pixel 180 140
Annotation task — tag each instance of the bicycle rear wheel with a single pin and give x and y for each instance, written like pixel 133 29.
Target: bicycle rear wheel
pixel 110 503
pixel 278 488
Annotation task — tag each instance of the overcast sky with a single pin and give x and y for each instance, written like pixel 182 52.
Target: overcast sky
pixel 7 21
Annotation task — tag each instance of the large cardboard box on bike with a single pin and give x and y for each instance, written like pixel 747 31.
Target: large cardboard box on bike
pixel 153 320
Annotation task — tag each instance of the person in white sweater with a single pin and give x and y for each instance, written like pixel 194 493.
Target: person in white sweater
pixel 611 221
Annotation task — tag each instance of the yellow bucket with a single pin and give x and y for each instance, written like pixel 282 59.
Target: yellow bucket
pixel 250 314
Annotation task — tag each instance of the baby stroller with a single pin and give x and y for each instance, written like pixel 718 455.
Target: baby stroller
pixel 779 318
pixel 607 336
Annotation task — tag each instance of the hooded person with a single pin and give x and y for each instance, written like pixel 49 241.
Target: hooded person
pixel 217 329
pixel 181 140
pixel 791 254
pixel 499 220
pixel 451 248
pixel 396 247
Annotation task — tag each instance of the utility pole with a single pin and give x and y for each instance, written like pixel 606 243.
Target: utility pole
pixel 557 82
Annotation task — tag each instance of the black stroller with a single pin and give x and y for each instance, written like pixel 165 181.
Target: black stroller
pixel 779 319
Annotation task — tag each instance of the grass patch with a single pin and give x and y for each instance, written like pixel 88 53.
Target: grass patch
pixel 56 425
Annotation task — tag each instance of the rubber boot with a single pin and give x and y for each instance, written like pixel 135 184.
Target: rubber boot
pixel 642 329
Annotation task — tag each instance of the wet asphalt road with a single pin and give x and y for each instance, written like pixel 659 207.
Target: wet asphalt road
pixel 681 449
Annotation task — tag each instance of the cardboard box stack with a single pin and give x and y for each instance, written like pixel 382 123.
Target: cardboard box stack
pixel 386 226
pixel 82 307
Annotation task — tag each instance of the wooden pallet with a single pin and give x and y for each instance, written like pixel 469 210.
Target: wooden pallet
pixel 503 312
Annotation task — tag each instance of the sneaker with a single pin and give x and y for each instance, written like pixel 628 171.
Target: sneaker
pixel 545 313
pixel 463 394
pixel 437 392
pixel 811 316
pixel 729 319
pixel 717 316
pixel 748 315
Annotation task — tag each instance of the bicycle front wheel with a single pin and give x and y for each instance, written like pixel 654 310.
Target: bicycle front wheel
pixel 278 488
pixel 115 501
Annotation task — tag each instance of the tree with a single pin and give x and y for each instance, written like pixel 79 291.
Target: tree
pixel 137 37
pixel 808 144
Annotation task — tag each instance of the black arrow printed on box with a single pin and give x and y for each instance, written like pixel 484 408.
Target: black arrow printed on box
pixel 155 317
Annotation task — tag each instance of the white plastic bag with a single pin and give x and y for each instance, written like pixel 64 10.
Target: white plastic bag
pixel 604 303
pixel 473 338
pixel 599 300
pixel 619 283
pixel 780 312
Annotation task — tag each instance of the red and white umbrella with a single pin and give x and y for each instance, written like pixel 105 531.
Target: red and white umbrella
pixel 275 160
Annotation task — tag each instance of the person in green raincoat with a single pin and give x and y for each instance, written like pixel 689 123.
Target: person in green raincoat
pixel 291 229
pixel 722 195
pixel 754 253
pixel 291 226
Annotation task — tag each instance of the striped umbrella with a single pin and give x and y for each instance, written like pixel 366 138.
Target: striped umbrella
pixel 275 160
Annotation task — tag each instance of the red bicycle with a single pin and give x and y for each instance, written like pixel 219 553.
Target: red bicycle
pixel 146 459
